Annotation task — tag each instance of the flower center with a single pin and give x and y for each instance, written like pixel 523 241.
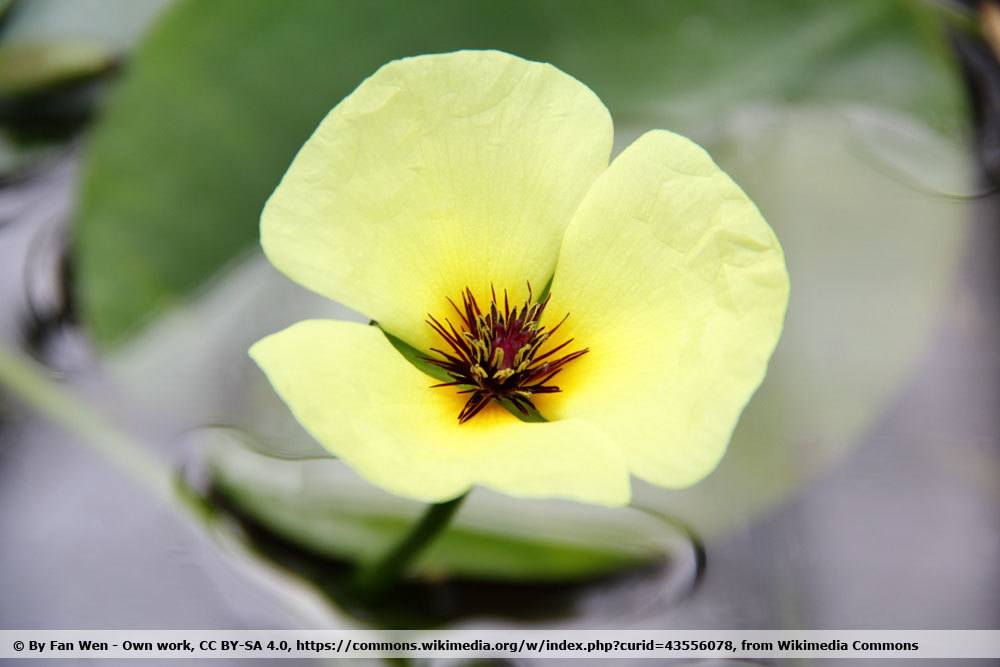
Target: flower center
pixel 494 355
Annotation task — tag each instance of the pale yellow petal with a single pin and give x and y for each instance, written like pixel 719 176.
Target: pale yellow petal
pixel 678 286
pixel 360 399
pixel 437 173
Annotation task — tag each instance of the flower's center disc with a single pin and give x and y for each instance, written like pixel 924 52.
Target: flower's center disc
pixel 493 354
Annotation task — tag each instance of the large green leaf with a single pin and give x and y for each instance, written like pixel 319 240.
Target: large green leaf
pixel 224 92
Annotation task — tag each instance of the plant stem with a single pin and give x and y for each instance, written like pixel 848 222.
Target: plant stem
pixel 30 383
pixel 374 580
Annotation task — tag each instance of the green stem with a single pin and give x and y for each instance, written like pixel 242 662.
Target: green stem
pixel 30 382
pixel 374 580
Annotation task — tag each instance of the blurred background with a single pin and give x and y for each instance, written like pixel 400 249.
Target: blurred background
pixel 150 479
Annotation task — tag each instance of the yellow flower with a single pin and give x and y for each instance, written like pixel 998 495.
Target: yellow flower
pixel 450 183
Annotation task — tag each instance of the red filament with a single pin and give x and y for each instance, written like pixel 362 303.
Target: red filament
pixel 494 355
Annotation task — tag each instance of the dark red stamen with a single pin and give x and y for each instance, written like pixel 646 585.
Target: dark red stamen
pixel 494 355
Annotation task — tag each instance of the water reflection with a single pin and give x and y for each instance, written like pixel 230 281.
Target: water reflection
pixel 304 516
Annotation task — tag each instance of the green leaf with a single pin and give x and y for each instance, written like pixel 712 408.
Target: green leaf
pixel 324 508
pixel 223 93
